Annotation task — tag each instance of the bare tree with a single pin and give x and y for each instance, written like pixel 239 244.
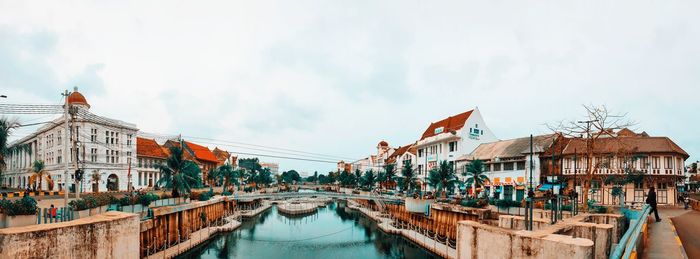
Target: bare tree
pixel 599 122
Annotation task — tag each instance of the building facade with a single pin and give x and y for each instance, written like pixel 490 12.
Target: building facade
pixel 105 150
pixel 149 154
pixel 450 138
pixel 648 161
pixel 507 165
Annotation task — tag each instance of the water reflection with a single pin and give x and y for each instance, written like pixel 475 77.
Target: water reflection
pixel 333 232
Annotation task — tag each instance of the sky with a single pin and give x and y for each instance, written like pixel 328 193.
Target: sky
pixel 336 77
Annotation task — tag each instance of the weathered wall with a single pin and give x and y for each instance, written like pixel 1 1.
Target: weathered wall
pixel 110 235
pixel 478 240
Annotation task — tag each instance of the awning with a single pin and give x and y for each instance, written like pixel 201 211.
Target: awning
pixel 545 187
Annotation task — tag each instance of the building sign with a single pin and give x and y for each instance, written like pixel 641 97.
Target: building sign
pixel 439 130
pixel 431 165
pixel 432 158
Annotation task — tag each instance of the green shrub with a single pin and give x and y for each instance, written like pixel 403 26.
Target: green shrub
pixel 226 193
pixel 78 205
pixel 492 201
pixel 125 201
pixel 470 203
pixel 503 203
pixel 248 189
pixel 90 201
pixel 24 206
pixel 146 199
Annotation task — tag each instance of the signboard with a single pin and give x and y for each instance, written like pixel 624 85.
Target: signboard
pixel 432 158
pixel 439 130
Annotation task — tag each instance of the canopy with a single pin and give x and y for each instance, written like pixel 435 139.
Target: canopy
pixel 545 187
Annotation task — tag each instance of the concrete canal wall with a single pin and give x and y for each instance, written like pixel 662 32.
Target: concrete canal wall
pixel 109 235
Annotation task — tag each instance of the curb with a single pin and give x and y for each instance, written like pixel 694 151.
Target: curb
pixel 678 239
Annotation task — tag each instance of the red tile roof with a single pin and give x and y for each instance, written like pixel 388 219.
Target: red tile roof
pixel 636 144
pixel 201 152
pixel 455 122
pixel 149 148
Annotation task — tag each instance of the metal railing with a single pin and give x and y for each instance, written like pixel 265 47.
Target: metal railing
pixel 630 240
pixel 315 194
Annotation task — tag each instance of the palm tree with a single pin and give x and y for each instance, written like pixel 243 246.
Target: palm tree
pixel 7 126
pixel 179 174
pixel 442 178
pixel 409 177
pixel 228 175
pixel 358 177
pixel 369 179
pixel 381 179
pixel 475 175
pixel 95 181
pixel 390 177
pixel 39 173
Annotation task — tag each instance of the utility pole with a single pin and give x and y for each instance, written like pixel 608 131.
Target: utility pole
pixel 531 192
pixel 65 149
pixel 74 155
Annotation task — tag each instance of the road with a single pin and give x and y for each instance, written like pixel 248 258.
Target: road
pixel 688 228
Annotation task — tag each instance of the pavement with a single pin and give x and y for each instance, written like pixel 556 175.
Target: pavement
pixel 688 228
pixel 663 241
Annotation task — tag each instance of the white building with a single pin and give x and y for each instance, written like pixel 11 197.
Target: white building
pixel 377 161
pixel 401 156
pixel 274 167
pixel 105 149
pixel 450 138
pixel 507 164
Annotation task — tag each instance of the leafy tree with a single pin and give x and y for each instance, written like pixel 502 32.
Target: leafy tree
pixel 39 173
pixel 263 178
pixel 475 175
pixel 178 174
pixel 346 179
pixel 694 168
pixel 228 175
pixel 291 176
pixel 409 180
pixel 442 178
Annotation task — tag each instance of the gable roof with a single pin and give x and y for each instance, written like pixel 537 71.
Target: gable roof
pixel 201 152
pixel 149 148
pixel 455 122
pixel 633 144
pixel 221 155
pixel 512 147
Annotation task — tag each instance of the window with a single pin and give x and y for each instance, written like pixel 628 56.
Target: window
pixel 655 162
pixel 668 162
pixel 93 135
pixel 116 155
pixel 497 167
pixel 128 140
pixel 521 165
pixel 58 158
pixel 420 152
pixel 59 136
pixel 93 155
pixel 106 156
pixel 453 146
pixel 420 169
pixel 508 166
pixel 487 167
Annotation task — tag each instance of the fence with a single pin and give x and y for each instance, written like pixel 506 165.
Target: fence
pixel 46 215
pixel 630 243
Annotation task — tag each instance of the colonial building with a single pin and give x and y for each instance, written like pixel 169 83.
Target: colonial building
pixel 342 166
pixel 655 162
pixel 201 155
pixel 507 164
pixel 224 157
pixel 149 154
pixel 274 167
pixel 377 161
pixel 450 138
pixel 403 154
pixel 105 149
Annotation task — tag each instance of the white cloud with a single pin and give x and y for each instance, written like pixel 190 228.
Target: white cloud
pixel 337 77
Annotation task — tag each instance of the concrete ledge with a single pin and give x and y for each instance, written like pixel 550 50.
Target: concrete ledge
pixel 110 235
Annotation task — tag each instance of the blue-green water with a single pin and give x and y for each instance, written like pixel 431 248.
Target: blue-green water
pixel 334 232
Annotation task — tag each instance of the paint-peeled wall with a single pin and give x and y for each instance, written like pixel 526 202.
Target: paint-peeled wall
pixel 109 235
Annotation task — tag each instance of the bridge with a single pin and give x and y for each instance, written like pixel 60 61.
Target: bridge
pixel 288 195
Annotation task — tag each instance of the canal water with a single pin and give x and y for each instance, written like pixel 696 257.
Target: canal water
pixel 333 232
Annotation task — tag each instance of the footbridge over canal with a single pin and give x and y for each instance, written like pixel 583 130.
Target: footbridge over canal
pixel 337 195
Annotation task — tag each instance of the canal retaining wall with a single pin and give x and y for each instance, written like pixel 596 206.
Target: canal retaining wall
pixel 109 235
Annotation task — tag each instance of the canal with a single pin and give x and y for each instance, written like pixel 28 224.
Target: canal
pixel 333 232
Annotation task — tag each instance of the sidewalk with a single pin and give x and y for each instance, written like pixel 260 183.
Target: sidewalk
pixel 663 242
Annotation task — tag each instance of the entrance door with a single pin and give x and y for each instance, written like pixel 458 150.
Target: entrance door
pixel 519 195
pixel 112 182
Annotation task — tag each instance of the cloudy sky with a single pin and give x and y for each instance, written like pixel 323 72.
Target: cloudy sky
pixel 336 77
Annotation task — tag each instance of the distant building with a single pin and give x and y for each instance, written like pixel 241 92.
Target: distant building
pixel 450 138
pixel 274 167
pixel 201 155
pixel 377 161
pixel 507 164
pixel 224 157
pixel 342 166
pixel 105 150
pixel 402 155
pixel 149 154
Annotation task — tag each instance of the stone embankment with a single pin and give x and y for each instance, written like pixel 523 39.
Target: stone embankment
pixel 297 208
pixel 197 238
pixel 386 225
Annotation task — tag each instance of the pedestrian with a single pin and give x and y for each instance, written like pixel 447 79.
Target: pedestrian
pixel 52 211
pixel 651 200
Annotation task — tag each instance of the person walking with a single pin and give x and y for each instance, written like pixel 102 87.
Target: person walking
pixel 651 200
